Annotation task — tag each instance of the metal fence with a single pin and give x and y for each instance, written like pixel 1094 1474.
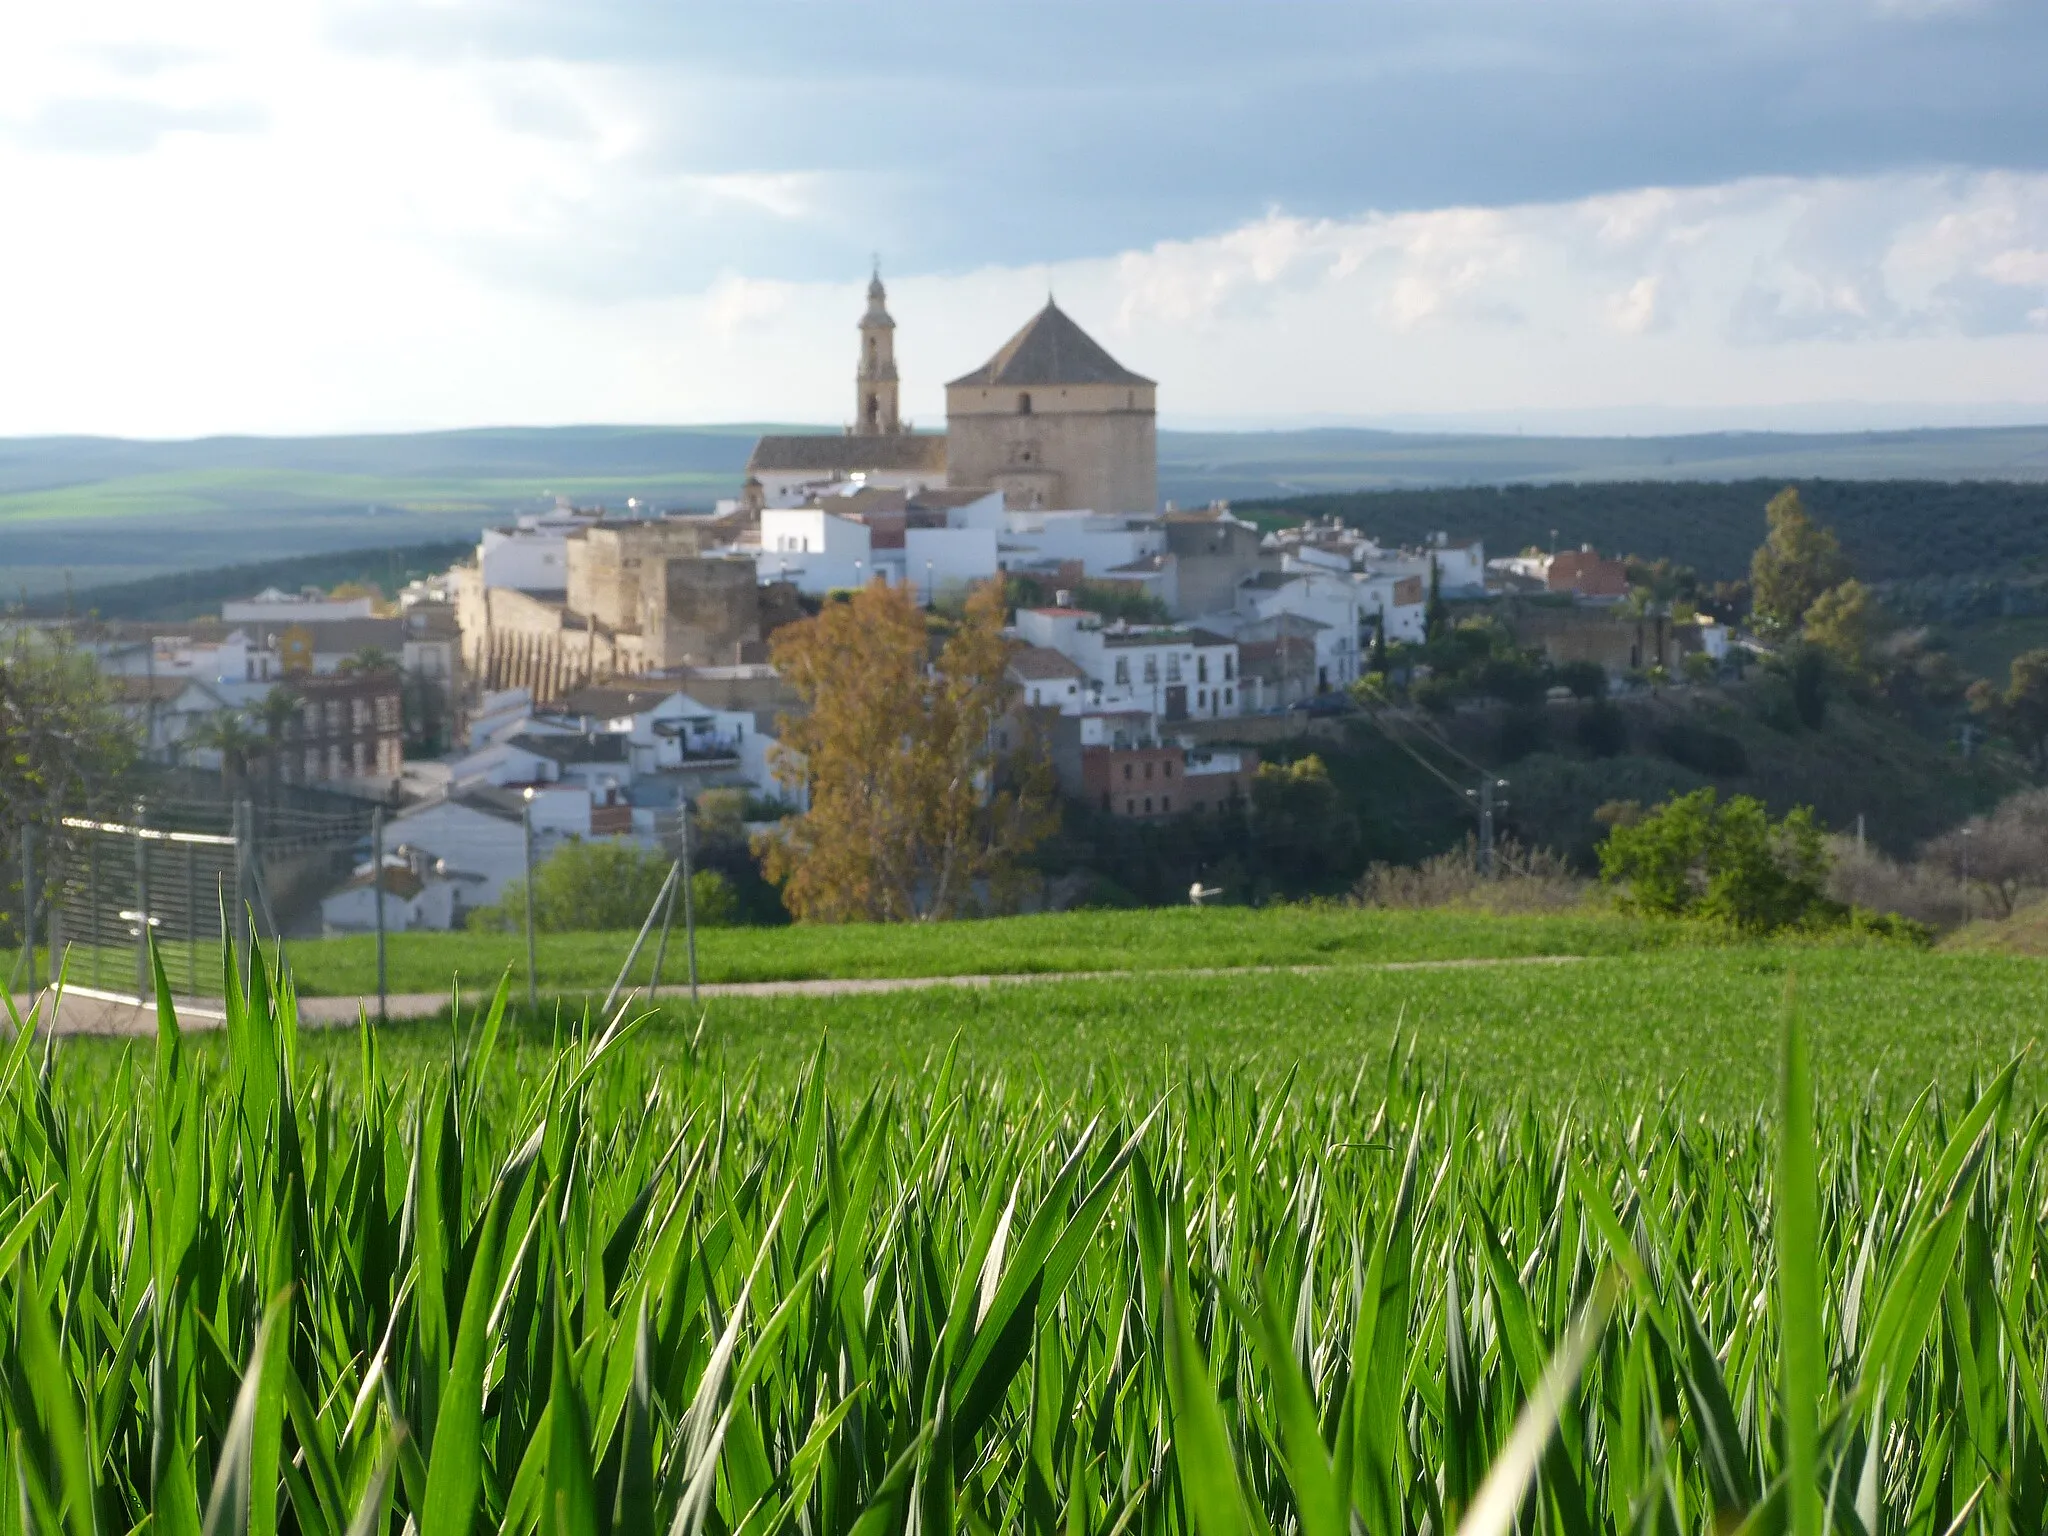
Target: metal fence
pixel 95 887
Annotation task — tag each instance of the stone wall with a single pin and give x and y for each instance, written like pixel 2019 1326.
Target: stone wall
pixel 1092 446
pixel 701 613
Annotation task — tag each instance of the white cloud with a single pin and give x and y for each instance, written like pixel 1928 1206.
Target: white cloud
pixel 277 236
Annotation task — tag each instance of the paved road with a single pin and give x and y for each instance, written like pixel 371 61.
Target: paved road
pixel 96 1013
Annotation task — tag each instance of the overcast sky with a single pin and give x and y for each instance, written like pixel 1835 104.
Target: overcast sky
pixel 270 216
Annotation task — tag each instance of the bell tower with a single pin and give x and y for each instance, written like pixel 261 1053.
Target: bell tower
pixel 875 413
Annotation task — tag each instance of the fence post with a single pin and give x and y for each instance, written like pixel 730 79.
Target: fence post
pixel 191 920
pixel 240 916
pixel 98 910
pixel 143 986
pixel 526 828
pixel 689 903
pixel 377 895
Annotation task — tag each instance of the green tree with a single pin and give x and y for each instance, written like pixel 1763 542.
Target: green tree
pixel 1305 834
pixel 1797 562
pixel 1436 615
pixel 2020 709
pixel 1696 857
pixel 1844 624
pixel 371 660
pixel 603 887
pixel 63 741
pixel 227 731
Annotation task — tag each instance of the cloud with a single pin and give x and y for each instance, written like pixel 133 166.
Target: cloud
pixel 126 125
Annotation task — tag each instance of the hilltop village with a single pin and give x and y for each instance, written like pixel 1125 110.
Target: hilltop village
pixel 595 672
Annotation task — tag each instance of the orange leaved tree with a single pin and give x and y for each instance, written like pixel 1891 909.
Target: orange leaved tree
pixel 914 812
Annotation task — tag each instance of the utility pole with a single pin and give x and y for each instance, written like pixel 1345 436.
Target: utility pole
pixel 1489 806
pixel 526 828
pixel 377 893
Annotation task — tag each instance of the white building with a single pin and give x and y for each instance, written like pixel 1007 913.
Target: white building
pixel 1330 599
pixel 311 607
pixel 817 550
pixel 1174 673
pixel 533 554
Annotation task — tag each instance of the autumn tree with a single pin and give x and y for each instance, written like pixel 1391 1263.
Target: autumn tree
pixel 916 812
pixel 1798 561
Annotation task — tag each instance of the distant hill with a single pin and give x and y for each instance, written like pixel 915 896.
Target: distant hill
pixel 110 509
pixel 1891 530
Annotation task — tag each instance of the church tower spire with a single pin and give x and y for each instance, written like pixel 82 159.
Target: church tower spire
pixel 875 381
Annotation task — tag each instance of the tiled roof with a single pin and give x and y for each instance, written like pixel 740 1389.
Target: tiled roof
pixel 1040 664
pixel 830 453
pixel 1051 349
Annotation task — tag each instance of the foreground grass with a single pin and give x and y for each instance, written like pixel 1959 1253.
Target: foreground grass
pixel 1163 939
pixel 457 1282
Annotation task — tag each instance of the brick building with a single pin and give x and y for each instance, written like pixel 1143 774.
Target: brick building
pixel 348 726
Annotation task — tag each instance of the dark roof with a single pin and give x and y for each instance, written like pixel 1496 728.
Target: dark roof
pixel 160 690
pixel 611 703
pixel 1038 663
pixel 1208 637
pixel 329 636
pixel 829 453
pixel 1051 349
pixel 1271 581
pixel 602 747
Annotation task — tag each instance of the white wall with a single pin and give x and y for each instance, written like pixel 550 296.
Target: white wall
pixel 956 556
pixel 472 841
pixel 527 559
pixel 819 551
pixel 296 610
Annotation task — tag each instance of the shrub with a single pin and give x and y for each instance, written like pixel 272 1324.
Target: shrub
pixel 1524 880
pixel 1586 679
pixel 1603 730
pixel 600 887
pixel 1713 753
pixel 1696 857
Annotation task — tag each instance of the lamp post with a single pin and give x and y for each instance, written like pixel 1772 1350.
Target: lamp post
pixel 1968 904
pixel 927 583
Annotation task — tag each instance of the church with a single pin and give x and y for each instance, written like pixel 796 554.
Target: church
pixel 1051 420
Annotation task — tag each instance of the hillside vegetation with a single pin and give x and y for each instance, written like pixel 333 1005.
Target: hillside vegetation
pixel 1890 529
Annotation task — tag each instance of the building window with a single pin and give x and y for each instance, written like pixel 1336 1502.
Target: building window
pixel 1201 669
pixel 1123 671
pixel 1201 698
pixel 1166 768
pixel 1166 802
pixel 1024 405
pixel 1229 666
pixel 1173 669
pixel 1130 807
pixel 1229 697
pixel 1151 669
pixel 1127 773
pixel 1148 805
pixel 1148 770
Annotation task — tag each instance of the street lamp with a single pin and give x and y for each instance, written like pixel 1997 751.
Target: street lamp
pixel 927 583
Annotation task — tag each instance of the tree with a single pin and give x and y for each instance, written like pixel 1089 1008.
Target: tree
pixel 1797 562
pixel 604 887
pixel 371 660
pixel 1304 833
pixel 277 709
pixel 1436 615
pixel 227 732
pixel 2020 709
pixel 63 740
pixel 1844 623
pixel 1696 857
pixel 914 812
pixel 2004 854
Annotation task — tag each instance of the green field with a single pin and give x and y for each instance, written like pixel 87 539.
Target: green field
pixel 1174 938
pixel 1183 1255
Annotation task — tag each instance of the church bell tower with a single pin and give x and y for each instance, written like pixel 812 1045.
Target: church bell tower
pixel 875 412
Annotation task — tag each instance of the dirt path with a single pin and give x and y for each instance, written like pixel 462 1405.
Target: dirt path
pixel 86 1012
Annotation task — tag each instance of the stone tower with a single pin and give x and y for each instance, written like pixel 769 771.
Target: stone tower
pixel 1052 420
pixel 875 412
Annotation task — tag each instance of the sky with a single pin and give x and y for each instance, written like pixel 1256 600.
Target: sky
pixel 281 216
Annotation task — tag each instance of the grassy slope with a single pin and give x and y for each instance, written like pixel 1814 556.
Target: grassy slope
pixel 1159 939
pixel 1604 1033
